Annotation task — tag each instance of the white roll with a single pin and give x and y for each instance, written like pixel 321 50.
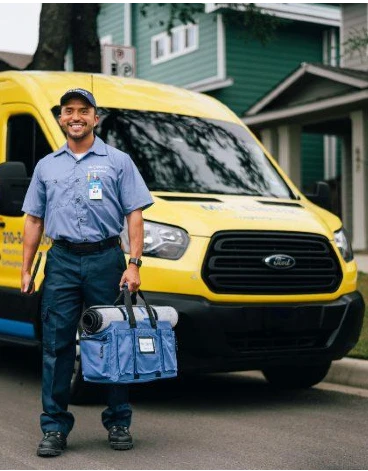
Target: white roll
pixel 98 318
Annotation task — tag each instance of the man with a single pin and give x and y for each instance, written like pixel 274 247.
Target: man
pixel 79 195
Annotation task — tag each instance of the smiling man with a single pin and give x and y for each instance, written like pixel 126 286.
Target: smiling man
pixel 80 195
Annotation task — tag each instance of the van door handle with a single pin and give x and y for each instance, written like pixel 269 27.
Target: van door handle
pixel 2 225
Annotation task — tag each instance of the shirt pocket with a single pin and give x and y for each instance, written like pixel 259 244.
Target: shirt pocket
pixel 108 189
pixel 58 192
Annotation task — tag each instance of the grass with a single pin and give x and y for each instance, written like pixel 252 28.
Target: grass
pixel 361 349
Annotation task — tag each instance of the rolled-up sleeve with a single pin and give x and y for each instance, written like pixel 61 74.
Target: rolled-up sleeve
pixel 133 192
pixel 35 199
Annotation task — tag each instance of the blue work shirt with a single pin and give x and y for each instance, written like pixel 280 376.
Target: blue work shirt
pixel 60 188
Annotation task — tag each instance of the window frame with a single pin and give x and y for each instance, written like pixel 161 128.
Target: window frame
pixel 166 38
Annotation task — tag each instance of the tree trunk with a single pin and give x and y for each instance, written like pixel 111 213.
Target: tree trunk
pixel 54 37
pixel 84 38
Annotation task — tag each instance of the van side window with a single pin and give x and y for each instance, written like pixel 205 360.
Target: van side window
pixel 26 141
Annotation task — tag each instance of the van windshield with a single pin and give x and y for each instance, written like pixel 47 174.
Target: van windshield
pixel 178 153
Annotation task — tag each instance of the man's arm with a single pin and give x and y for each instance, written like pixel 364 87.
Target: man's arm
pixel 136 235
pixel 33 229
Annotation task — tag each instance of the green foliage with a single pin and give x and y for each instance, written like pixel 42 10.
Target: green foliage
pixel 255 23
pixel 252 20
pixel 357 42
pixel 182 12
pixel 361 349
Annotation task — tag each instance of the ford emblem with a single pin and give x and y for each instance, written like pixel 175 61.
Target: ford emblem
pixel 280 261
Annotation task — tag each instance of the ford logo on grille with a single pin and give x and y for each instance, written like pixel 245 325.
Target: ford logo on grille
pixel 280 261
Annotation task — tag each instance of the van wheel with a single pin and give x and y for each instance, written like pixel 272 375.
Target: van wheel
pixel 82 392
pixel 296 377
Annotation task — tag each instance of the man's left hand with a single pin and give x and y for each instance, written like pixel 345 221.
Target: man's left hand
pixel 131 277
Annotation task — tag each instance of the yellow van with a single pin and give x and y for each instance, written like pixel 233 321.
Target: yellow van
pixel 263 278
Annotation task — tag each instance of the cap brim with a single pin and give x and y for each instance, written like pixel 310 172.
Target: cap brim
pixel 65 98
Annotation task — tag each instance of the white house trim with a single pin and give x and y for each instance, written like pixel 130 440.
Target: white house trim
pixel 293 11
pixel 309 108
pixel 306 68
pixel 221 48
pixel 127 24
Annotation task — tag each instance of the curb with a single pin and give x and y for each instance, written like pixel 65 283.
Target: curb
pixel 349 372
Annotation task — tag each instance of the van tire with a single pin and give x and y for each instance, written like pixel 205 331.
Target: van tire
pixel 296 377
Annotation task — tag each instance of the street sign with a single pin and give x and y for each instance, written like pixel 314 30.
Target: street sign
pixel 118 60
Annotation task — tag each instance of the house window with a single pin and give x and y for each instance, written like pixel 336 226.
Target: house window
pixel 182 40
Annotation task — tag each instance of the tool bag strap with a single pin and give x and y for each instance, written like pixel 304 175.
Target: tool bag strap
pixel 126 299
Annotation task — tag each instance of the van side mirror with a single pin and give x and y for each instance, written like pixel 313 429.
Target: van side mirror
pixel 321 195
pixel 13 187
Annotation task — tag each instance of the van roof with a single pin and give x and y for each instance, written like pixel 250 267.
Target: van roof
pixel 118 92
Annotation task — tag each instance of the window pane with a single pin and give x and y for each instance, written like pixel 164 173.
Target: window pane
pixel 190 36
pixel 193 155
pixel 175 42
pixel 26 142
pixel 159 48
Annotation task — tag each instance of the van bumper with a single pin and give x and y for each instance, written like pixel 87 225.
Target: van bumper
pixel 231 337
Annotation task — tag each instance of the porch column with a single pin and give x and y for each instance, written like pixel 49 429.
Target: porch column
pixel 359 121
pixel 346 184
pixel 270 141
pixel 289 151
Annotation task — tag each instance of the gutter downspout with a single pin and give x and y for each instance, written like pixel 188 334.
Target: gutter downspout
pixel 127 24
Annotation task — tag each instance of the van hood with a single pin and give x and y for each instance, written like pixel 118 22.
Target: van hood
pixel 203 215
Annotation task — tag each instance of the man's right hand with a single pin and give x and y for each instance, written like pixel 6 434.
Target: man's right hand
pixel 26 279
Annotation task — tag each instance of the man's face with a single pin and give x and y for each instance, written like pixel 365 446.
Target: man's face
pixel 77 119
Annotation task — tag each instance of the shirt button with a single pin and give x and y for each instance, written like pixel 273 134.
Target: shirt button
pixel 77 180
pixel 55 181
pixel 77 200
pixel 81 219
pixel 77 162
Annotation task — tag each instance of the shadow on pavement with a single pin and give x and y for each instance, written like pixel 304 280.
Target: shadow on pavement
pixel 226 390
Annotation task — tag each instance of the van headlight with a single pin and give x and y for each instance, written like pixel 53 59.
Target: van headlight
pixel 160 240
pixel 343 243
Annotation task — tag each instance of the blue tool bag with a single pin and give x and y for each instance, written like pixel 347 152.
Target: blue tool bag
pixel 127 350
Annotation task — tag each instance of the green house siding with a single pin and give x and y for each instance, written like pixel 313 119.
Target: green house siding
pixel 192 67
pixel 312 166
pixel 256 69
pixel 110 21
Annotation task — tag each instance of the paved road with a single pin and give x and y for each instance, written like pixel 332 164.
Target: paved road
pixel 216 422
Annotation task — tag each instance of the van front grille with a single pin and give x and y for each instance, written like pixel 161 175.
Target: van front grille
pixel 235 264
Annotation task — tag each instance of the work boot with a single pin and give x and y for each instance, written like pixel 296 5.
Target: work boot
pixel 52 444
pixel 120 438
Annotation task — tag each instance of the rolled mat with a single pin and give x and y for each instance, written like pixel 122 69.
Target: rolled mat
pixel 98 318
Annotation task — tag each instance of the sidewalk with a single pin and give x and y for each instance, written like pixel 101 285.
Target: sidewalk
pixel 349 372
pixel 362 262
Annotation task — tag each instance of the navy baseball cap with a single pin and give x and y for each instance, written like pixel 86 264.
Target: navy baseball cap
pixel 78 93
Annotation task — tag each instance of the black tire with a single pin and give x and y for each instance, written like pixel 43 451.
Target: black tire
pixel 82 392
pixel 296 377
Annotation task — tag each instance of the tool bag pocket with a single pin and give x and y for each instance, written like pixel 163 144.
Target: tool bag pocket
pixel 97 357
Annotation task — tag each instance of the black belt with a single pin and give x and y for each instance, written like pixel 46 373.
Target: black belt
pixel 87 247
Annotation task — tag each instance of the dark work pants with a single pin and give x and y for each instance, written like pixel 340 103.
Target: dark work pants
pixel 74 281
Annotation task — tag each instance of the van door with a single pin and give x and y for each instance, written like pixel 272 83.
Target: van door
pixel 24 138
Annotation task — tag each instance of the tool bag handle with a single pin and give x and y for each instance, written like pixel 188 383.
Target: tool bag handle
pixel 126 299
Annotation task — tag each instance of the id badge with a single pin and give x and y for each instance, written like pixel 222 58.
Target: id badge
pixel 95 190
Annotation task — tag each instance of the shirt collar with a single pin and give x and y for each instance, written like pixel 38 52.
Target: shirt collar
pixel 98 148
